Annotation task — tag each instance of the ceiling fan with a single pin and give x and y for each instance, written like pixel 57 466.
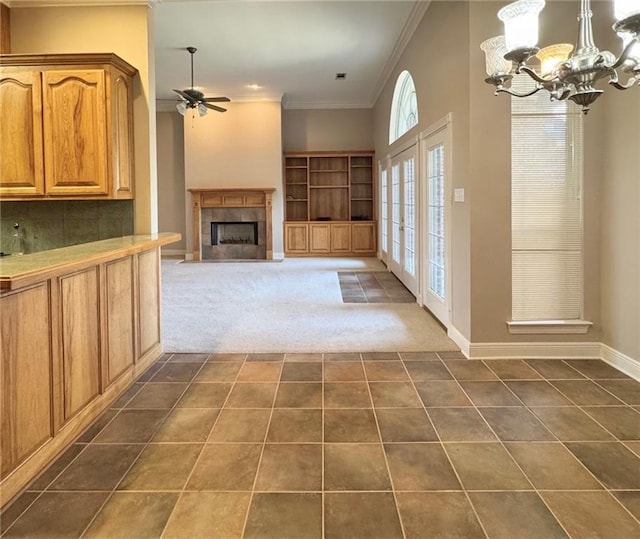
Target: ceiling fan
pixel 195 99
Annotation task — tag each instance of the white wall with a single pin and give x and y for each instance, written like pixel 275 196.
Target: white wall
pixel 239 148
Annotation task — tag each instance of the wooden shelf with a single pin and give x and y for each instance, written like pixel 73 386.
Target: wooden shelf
pixel 333 185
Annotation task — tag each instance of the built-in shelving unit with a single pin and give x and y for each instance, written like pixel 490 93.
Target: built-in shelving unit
pixel 326 192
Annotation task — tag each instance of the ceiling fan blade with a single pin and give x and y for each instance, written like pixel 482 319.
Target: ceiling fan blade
pixel 216 99
pixel 213 107
pixel 184 95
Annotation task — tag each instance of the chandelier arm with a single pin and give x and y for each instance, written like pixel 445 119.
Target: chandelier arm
pixel 626 53
pixel 517 94
pixel 532 73
pixel 630 82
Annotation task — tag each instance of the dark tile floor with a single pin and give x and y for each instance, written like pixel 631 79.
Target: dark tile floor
pixel 372 287
pixel 372 445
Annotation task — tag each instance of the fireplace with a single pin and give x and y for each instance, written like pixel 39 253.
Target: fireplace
pixel 232 224
pixel 234 233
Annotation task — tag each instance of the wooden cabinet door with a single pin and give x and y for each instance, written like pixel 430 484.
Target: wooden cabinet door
pixel 148 285
pixel 363 237
pixel 120 335
pixel 75 132
pixel 80 324
pixel 341 238
pixel 26 382
pixel 21 160
pixel 122 136
pixel 319 238
pixel 296 238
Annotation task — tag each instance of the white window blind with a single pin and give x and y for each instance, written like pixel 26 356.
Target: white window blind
pixel 546 207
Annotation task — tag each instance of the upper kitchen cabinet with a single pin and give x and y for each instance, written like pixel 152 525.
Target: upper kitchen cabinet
pixel 66 126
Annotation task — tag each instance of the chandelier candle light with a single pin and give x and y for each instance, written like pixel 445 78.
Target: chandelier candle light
pixel 562 74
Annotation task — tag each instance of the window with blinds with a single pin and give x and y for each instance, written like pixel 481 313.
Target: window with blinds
pixel 546 207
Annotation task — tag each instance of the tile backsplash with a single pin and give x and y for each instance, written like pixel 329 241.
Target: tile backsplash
pixel 49 224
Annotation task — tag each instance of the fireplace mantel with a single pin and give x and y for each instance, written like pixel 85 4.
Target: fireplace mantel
pixel 231 198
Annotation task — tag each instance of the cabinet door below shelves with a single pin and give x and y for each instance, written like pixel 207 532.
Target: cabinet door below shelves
pixel 75 132
pixel 21 165
pixel 296 238
pixel 341 238
pixel 363 239
pixel 319 238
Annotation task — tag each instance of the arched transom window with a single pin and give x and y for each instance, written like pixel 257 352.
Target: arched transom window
pixel 404 108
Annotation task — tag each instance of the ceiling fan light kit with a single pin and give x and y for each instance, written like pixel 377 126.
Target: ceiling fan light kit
pixel 563 74
pixel 195 99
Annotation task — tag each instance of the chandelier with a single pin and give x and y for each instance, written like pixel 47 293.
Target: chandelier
pixel 562 74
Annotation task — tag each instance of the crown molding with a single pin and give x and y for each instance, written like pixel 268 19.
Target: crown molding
pixel 77 3
pixel 419 9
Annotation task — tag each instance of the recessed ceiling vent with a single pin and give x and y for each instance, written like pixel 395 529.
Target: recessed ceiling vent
pixel 341 76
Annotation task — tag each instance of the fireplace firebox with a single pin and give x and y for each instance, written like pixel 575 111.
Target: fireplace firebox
pixel 234 233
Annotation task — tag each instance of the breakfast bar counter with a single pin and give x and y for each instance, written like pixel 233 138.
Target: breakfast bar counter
pixel 77 325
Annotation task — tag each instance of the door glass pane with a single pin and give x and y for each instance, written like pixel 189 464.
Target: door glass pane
pixel 395 213
pixel 409 217
pixel 384 211
pixel 436 221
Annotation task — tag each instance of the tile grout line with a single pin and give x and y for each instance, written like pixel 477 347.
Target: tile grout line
pixel 322 496
pixel 204 445
pixel 442 447
pixel 86 445
pixel 146 445
pixel 384 453
pixel 563 443
pixel 264 443
pixel 504 447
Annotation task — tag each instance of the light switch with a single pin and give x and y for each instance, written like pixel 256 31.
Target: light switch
pixel 458 195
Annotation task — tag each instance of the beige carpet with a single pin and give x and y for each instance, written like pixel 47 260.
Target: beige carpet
pixel 295 306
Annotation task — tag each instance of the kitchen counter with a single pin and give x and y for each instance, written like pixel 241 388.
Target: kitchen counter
pixel 21 270
pixel 79 324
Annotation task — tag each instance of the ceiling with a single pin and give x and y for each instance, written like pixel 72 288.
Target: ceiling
pixel 292 49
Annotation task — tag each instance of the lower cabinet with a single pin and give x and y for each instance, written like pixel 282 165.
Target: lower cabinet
pixel 296 238
pixel 336 238
pixel 79 339
pixel 120 317
pixel 26 376
pixel 69 345
pixel 319 238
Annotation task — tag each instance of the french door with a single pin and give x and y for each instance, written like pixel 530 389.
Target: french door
pixel 435 231
pixel 403 259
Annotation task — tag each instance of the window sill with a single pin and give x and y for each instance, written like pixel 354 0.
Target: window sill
pixel 532 327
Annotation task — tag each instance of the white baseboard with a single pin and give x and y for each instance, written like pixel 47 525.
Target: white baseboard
pixel 526 350
pixel 547 350
pixel 278 255
pixel 620 361
pixel 459 339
